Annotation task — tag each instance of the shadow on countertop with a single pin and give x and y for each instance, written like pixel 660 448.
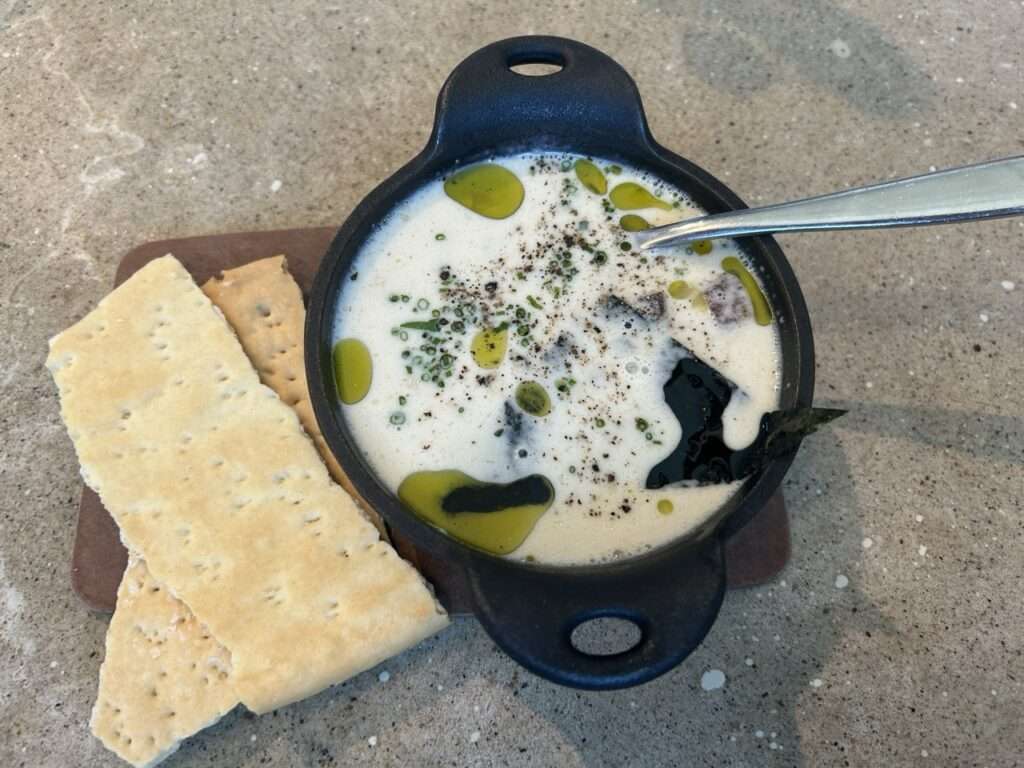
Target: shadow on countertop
pixel 744 47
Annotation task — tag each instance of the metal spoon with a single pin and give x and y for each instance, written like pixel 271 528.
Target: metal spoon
pixel 984 191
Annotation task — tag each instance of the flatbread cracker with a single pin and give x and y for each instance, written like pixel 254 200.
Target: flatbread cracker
pixel 211 479
pixel 263 304
pixel 139 688
pixel 163 677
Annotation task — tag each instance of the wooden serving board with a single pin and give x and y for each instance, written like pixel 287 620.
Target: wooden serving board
pixel 753 556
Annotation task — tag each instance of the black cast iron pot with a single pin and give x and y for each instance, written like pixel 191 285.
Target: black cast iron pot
pixel 673 593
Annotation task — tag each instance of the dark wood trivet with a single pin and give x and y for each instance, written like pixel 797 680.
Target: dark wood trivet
pixel 753 556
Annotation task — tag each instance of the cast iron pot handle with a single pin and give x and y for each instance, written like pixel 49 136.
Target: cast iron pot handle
pixel 484 103
pixel 531 613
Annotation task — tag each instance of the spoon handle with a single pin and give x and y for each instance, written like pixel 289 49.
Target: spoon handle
pixel 984 191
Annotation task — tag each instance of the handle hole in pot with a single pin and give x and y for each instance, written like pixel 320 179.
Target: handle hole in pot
pixel 606 636
pixel 536 68
pixel 536 63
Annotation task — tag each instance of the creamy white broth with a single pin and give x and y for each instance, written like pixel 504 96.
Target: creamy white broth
pixel 589 446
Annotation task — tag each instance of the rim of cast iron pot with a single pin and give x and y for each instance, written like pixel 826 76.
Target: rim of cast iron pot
pixel 782 290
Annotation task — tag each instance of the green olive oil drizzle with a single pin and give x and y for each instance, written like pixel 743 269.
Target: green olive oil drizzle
pixel 493 517
pixel 353 370
pixel 590 176
pixel 488 189
pixel 633 223
pixel 680 289
pixel 701 247
pixel 489 345
pixel 630 196
pixel 532 398
pixel 762 312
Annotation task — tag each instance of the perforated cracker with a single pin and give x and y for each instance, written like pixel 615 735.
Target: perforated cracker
pixel 163 676
pixel 263 304
pixel 211 479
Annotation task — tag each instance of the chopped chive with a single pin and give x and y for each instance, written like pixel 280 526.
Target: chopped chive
pixel 564 385
pixel 421 325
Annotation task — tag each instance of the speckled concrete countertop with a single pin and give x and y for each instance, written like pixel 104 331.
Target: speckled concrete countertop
pixel 894 637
